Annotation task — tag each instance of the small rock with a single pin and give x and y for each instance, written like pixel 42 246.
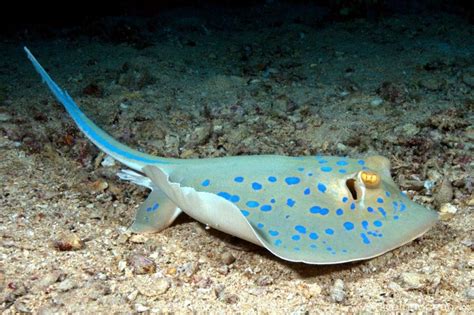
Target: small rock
pixel 48 280
pixel 412 280
pixel 67 285
pixel 469 293
pixel 447 211
pixel 264 281
pixel 376 102
pixel 21 307
pixel 444 192
pixel 141 264
pixel 68 242
pixel 4 117
pixel 337 293
pixel 108 161
pixel 313 290
pixel 432 84
pixel 408 130
pixel 99 186
pixel 151 286
pixel 227 258
pixel 139 308
pixel 138 238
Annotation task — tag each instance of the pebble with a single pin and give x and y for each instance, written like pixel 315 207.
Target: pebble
pixel 376 102
pixel 264 281
pixel 138 238
pixel 227 258
pixel 139 308
pixel 444 192
pixel 67 285
pixel 469 293
pixel 68 242
pixel 141 264
pixel 48 280
pixel 108 161
pixel 151 286
pixel 432 84
pixel 408 130
pixel 337 293
pixel 412 280
pixel 447 211
pixel 4 117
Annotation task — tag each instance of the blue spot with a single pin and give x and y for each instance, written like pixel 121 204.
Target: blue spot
pixel 402 207
pixel 252 204
pixel 339 211
pixel 365 168
pixel 388 194
pixel 313 246
pixel 329 231
pixel 380 200
pixel 322 161
pixel 300 229
pixel 321 187
pixel 155 206
pixel 297 248
pixel 224 195
pixel 300 169
pixel 365 239
pixel 290 202
pixel 234 198
pixel 313 236
pixel 342 171
pixel 273 233
pixel 395 205
pixel 361 162
pixel 272 179
pixel 260 225
pixel 396 217
pixel 278 242
pixel 382 211
pixel 319 210
pixel 256 186
pixel 326 168
pixel 295 237
pixel 292 180
pixel 345 199
pixel 149 209
pixel 365 225
pixel 370 209
pixel 342 163
pixel 310 174
pixel 266 208
pixel 348 226
pixel 272 200
pixel 307 191
pixel 206 182
pixel 238 179
pixel 353 206
pixel 245 213
pixel 377 223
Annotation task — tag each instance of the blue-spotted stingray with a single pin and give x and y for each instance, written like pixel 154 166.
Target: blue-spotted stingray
pixel 311 209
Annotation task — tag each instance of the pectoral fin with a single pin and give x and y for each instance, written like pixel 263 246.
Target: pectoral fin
pixel 155 214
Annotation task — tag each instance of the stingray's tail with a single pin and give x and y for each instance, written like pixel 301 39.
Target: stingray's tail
pixel 128 156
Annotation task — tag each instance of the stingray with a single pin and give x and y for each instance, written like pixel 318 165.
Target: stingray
pixel 310 209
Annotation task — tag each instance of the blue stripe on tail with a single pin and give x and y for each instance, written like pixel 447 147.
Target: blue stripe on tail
pixel 82 121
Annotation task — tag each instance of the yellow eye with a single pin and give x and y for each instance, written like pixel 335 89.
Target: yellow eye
pixel 370 179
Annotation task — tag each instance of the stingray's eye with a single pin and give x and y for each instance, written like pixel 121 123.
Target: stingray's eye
pixel 370 179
